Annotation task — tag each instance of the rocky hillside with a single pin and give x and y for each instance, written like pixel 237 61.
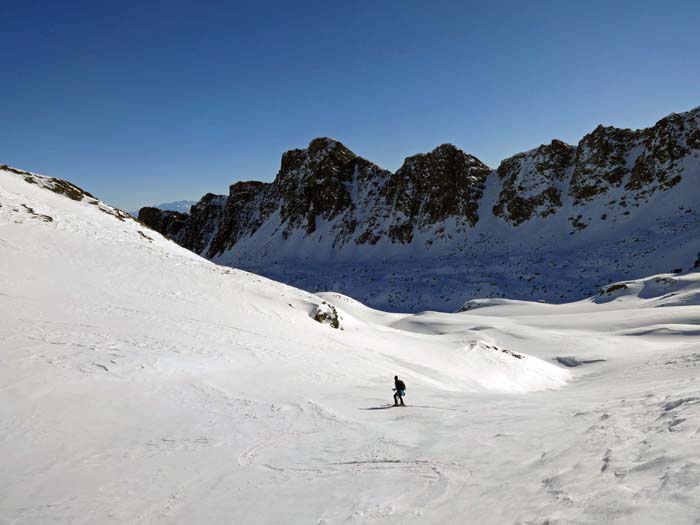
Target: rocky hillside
pixel 554 223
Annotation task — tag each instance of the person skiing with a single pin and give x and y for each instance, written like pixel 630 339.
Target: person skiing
pixel 400 389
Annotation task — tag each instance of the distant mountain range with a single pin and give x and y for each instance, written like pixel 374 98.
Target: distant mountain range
pixel 179 206
pixel 555 223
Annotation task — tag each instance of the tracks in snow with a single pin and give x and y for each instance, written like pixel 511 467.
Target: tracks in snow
pixel 359 452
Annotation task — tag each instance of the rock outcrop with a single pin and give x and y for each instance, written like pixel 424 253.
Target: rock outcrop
pixel 431 188
pixel 532 182
pixel 172 224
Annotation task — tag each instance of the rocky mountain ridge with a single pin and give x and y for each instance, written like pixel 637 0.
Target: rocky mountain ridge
pixel 331 209
pixel 179 206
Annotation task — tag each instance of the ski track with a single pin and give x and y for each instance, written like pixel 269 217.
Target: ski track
pixel 613 451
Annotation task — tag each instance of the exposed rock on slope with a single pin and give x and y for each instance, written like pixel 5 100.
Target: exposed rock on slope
pixel 432 188
pixel 532 182
pixel 65 188
pixel 170 223
pixel 601 162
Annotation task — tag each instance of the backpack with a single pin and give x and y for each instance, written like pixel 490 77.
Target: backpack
pixel 400 385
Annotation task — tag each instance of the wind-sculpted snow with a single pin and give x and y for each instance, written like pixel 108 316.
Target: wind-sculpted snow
pixel 555 223
pixel 141 383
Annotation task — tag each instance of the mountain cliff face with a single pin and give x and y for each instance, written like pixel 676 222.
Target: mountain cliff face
pixel 328 184
pixel 553 223
pixel 532 182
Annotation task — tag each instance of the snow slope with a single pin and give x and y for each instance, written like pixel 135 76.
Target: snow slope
pixel 141 383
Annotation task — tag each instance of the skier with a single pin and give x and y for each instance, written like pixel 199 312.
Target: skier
pixel 400 389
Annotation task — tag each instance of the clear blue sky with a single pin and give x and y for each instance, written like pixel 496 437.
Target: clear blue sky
pixel 145 102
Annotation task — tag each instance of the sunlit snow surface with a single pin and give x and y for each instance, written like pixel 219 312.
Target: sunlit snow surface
pixel 142 384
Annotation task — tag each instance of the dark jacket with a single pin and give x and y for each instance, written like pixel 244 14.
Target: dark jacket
pixel 399 385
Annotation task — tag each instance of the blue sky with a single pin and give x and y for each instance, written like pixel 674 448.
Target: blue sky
pixel 146 102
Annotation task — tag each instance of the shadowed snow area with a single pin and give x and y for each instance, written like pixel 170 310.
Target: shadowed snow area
pixel 141 383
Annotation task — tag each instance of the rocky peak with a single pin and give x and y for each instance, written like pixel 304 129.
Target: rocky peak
pixel 644 161
pixel 430 187
pixel 446 155
pixel 601 162
pixel 665 144
pixel 324 147
pixel 532 182
pixel 314 183
pixel 245 190
pixel 321 153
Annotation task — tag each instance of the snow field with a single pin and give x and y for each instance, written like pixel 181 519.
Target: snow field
pixel 140 383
